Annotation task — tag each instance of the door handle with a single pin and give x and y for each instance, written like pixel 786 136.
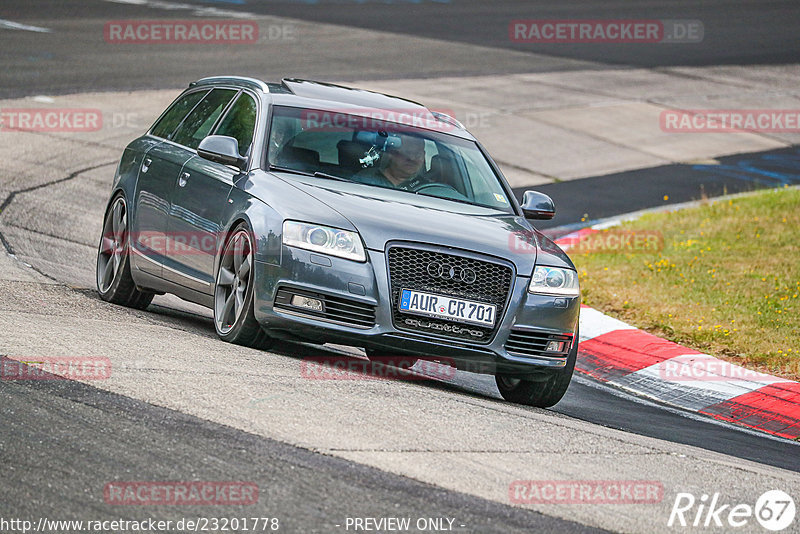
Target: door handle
pixel 183 178
pixel 146 164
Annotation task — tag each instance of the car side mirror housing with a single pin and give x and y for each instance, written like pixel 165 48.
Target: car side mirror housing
pixel 537 205
pixel 222 149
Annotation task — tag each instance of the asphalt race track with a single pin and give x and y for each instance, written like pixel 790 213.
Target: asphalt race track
pixel 306 489
pixel 188 407
pixel 678 182
pixel 735 33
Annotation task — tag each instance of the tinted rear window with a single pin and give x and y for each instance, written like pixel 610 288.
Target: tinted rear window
pixel 199 122
pixel 175 114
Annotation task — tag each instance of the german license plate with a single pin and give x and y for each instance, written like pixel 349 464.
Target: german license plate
pixel 454 309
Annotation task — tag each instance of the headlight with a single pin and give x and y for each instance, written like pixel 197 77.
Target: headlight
pixel 324 239
pixel 554 281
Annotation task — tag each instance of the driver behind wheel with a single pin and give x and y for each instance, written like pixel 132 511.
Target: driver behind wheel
pixel 400 167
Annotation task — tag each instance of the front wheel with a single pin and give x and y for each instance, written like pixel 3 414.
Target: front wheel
pixel 234 318
pixel 114 281
pixel 543 394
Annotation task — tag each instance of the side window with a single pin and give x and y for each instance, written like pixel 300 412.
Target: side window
pixel 430 150
pixel 240 122
pixel 199 122
pixel 283 130
pixel 175 114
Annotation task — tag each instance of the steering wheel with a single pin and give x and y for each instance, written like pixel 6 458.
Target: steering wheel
pixel 438 184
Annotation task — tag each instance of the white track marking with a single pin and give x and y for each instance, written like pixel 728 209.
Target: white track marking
pixel 595 323
pixel 10 25
pixel 200 11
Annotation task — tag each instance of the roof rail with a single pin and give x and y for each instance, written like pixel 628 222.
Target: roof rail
pixel 444 117
pixel 289 82
pixel 242 80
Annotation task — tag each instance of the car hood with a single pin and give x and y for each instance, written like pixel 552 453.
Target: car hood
pixel 383 215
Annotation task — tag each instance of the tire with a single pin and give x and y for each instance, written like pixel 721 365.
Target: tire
pixel 234 319
pixel 542 394
pixel 400 361
pixel 113 272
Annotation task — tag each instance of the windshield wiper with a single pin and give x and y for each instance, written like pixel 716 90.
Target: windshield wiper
pixel 287 169
pixel 316 174
pixel 451 199
pixel 330 177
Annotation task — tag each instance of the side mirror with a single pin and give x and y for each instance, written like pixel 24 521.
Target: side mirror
pixel 537 205
pixel 222 149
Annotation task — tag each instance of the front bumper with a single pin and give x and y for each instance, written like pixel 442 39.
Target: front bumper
pixel 527 318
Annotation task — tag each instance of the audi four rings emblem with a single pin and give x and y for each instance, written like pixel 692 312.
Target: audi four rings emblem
pixel 447 272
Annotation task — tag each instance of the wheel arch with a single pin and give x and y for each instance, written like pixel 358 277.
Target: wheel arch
pixel 263 221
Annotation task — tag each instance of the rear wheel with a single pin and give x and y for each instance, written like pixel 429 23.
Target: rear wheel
pixel 542 394
pixel 114 281
pixel 234 318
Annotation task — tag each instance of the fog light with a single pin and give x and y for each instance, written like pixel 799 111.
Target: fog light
pixel 555 346
pixel 307 302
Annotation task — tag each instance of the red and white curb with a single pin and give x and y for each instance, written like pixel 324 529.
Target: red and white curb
pixel 614 352
pixel 619 354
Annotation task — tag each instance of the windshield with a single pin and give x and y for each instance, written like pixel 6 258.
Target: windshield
pixel 384 154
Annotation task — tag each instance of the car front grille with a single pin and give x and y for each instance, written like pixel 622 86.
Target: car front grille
pixel 530 343
pixel 338 309
pixel 409 269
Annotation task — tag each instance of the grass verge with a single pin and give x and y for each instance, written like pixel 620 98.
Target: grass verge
pixel 726 282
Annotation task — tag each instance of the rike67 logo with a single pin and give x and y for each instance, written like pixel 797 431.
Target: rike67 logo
pixel 774 510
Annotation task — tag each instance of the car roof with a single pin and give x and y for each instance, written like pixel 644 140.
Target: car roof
pixel 334 97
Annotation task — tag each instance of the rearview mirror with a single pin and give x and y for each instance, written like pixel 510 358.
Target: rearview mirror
pixel 222 149
pixel 380 139
pixel 537 205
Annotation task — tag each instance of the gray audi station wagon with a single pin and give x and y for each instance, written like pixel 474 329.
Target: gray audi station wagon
pixel 310 211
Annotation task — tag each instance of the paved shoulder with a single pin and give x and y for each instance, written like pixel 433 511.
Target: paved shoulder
pixel 65 441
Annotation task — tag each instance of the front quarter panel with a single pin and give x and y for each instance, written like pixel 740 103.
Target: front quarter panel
pixel 551 254
pixel 264 221
pixel 290 201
